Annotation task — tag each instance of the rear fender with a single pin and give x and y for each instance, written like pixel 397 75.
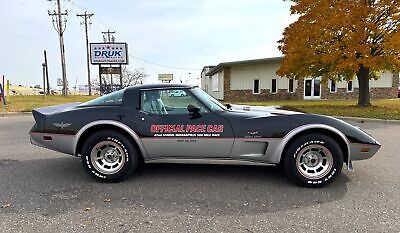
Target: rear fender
pixel 120 125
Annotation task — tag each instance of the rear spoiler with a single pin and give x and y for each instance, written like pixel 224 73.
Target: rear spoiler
pixel 41 114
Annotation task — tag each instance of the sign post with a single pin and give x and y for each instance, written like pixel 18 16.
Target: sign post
pixel 8 91
pixel 2 94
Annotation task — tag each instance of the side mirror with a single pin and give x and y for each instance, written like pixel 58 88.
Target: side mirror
pixel 193 109
pixel 228 106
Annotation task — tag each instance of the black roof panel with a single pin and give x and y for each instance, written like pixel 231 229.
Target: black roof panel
pixel 160 85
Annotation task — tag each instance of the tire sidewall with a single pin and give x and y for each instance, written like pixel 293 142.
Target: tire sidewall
pixel 131 158
pixel 293 152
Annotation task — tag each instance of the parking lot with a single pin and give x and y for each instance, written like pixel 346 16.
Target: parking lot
pixel 44 191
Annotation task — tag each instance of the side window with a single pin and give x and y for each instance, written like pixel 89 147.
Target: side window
pixel 114 98
pixel 169 102
pixel 273 89
pixel 291 85
pixel 256 86
pixel 332 88
pixel 350 86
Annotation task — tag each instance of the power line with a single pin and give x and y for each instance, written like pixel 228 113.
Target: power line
pixel 109 39
pixel 59 24
pixel 166 66
pixel 86 16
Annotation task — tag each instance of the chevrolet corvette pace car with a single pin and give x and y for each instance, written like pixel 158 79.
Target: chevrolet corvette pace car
pixel 114 133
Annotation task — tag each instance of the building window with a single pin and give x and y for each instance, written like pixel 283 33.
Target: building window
pixel 256 86
pixel 215 83
pixel 291 85
pixel 332 87
pixel 273 89
pixel 350 87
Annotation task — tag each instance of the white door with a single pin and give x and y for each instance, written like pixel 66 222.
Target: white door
pixel 312 88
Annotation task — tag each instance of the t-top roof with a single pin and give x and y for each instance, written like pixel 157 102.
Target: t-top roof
pixel 160 85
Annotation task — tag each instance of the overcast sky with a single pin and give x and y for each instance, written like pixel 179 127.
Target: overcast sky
pixel 176 33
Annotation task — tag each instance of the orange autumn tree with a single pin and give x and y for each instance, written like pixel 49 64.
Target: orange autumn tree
pixel 340 39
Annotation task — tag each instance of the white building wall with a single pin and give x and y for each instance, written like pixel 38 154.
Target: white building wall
pixel 242 76
pixel 385 80
pixel 216 85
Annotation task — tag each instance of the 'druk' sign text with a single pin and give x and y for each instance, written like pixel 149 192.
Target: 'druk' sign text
pixel 108 53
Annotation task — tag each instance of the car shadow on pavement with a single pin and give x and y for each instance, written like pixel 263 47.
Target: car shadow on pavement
pixel 54 186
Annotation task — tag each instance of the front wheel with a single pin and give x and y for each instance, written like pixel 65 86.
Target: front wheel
pixel 313 160
pixel 109 156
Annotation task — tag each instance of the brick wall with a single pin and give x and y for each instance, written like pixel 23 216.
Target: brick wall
pixel 227 84
pixel 265 95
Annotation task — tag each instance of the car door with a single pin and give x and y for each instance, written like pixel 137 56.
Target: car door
pixel 168 129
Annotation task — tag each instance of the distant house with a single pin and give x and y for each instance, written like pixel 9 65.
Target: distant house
pixel 253 80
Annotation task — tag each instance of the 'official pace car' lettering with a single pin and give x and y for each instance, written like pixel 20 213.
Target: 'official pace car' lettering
pixel 187 130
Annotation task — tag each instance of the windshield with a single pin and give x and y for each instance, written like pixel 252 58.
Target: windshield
pixel 209 101
pixel 114 98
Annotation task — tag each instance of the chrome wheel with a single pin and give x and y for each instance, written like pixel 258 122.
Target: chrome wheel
pixel 107 157
pixel 314 161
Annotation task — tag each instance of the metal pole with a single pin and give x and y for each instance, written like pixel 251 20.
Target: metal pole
pixel 2 96
pixel 44 79
pixel 87 56
pixel 62 49
pixel 111 81
pixel 120 76
pixel 8 91
pixel 87 16
pixel 58 25
pixel 100 80
pixel 47 72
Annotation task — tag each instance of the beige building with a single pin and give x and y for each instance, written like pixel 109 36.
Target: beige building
pixel 257 80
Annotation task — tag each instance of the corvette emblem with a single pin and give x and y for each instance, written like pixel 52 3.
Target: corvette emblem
pixel 252 132
pixel 61 125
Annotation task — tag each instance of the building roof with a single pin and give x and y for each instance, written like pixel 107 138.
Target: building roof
pixel 207 67
pixel 220 66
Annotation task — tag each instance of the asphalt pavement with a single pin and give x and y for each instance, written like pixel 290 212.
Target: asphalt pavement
pixel 45 191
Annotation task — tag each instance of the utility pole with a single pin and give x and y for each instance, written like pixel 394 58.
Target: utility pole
pixel 110 37
pixel 47 72
pixel 86 16
pixel 59 25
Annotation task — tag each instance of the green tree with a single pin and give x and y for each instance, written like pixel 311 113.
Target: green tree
pixel 340 39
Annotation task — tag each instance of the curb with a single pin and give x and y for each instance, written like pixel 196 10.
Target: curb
pixel 362 120
pixel 14 114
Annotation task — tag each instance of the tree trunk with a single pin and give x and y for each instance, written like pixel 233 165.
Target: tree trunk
pixel 363 90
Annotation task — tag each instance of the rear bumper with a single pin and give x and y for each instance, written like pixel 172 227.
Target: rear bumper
pixel 359 151
pixel 58 142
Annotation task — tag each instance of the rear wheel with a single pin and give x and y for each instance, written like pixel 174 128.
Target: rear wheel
pixel 109 156
pixel 313 160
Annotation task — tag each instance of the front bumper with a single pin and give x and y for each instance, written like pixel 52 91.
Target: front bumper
pixel 360 151
pixel 58 142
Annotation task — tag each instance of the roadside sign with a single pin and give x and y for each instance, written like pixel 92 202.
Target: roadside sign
pixel 110 70
pixel 108 53
pixel 59 82
pixel 165 77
